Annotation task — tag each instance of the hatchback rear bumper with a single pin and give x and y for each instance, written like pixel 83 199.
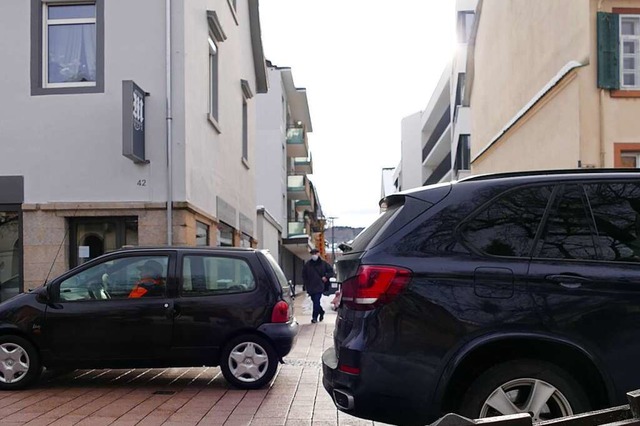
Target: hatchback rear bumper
pixel 283 335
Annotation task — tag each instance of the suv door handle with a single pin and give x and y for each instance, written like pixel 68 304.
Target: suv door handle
pixel 568 281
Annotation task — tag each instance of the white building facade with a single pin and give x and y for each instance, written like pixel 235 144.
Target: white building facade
pixel 436 141
pixel 77 171
pixel 290 220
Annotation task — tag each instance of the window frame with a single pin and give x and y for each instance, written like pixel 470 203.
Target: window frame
pixel 636 55
pixel 39 49
pixel 214 83
pixel 620 149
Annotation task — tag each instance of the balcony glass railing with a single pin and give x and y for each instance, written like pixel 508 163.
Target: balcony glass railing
pixel 295 183
pixel 295 135
pixel 296 228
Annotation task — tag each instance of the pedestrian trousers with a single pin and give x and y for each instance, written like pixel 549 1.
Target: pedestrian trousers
pixel 317 309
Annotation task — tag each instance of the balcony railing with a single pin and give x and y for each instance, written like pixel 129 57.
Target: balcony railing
pixel 297 145
pixel 298 188
pixel 442 125
pixel 303 165
pixel 296 228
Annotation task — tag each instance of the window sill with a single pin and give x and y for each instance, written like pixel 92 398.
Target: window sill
pixel 234 12
pixel 214 123
pixel 245 162
pixel 625 93
pixel 69 90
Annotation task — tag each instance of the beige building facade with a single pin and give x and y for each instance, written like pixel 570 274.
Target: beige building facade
pixel 551 87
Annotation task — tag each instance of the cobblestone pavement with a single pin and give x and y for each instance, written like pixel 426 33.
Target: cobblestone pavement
pixel 186 396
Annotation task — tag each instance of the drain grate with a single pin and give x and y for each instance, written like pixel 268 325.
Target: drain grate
pixel 164 392
pixel 302 363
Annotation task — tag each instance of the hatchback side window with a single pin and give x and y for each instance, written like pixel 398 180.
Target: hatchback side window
pixel 569 229
pixel 616 212
pixel 508 225
pixel 122 278
pixel 204 275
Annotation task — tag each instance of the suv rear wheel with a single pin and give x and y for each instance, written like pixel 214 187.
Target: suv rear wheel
pixel 249 362
pixel 524 386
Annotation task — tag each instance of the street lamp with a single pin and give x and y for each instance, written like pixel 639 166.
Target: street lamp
pixel 333 240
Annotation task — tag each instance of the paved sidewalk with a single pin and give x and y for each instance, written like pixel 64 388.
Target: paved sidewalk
pixel 186 396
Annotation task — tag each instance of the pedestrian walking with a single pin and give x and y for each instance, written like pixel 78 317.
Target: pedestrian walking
pixel 315 276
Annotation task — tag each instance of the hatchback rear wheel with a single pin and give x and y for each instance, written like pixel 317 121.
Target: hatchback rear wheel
pixel 19 363
pixel 249 362
pixel 538 388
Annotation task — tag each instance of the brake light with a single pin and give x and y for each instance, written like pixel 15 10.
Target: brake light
pixel 349 369
pixel 280 312
pixel 373 286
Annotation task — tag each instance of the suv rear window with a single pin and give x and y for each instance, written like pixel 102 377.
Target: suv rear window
pixel 364 238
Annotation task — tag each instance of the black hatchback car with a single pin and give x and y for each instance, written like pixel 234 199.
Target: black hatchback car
pixel 154 307
pixel 493 295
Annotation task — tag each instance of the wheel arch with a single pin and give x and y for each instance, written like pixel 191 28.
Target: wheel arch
pixel 478 356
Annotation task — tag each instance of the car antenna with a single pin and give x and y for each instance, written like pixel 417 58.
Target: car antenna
pixel 66 232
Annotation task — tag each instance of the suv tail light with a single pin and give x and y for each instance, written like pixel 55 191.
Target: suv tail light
pixel 373 286
pixel 280 312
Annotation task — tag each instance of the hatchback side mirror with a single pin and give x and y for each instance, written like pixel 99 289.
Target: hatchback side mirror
pixel 42 294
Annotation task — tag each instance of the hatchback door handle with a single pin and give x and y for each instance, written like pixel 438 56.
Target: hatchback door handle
pixel 568 281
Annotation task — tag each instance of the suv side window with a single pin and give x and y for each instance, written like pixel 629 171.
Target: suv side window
pixel 569 229
pixel 616 212
pixel 508 225
pixel 205 275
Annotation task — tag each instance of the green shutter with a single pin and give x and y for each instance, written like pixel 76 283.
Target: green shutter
pixel 608 50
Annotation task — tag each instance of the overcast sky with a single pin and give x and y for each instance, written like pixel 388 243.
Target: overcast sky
pixel 366 64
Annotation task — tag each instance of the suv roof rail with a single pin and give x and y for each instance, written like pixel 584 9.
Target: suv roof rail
pixel 489 176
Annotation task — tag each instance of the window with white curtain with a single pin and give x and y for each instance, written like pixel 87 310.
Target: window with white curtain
pixel 69 44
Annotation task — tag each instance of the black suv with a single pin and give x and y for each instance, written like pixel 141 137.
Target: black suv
pixel 154 307
pixel 493 295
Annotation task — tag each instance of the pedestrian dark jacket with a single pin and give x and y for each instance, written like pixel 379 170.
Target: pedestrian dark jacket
pixel 312 273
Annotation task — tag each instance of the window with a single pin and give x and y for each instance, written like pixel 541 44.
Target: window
pixel 122 278
pixel 213 80
pixel 619 51
pixel 463 156
pixel 616 212
pixel 629 51
pixel 245 131
pixel 210 275
pixel 569 229
pixel 626 155
pixel 216 36
pixel 225 235
pixel 465 24
pixel 91 237
pixel 68 47
pixel 508 225
pixel 630 159
pixel 202 234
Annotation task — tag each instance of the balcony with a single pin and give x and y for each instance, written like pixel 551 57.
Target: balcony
pixel 297 145
pixel 298 188
pixel 303 205
pixel 303 165
pixel 296 229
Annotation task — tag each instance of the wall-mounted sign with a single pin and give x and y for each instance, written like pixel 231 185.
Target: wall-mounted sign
pixel 133 118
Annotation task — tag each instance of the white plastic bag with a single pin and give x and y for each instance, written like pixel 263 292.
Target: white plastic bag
pixel 325 302
pixel 307 305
